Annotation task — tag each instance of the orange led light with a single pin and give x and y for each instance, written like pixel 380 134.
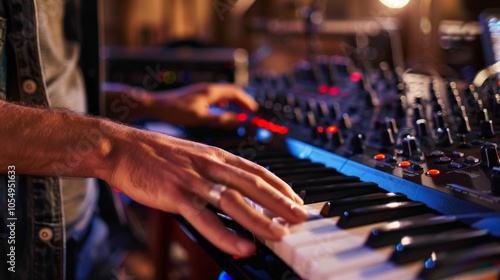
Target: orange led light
pixel 332 129
pixel 405 163
pixel 379 157
pixel 433 172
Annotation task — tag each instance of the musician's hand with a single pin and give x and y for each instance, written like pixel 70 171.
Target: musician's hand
pixel 189 106
pixel 176 176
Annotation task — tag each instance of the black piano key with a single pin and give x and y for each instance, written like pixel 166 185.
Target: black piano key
pixel 330 192
pixel 297 186
pixel 447 264
pixel 420 247
pixel 287 166
pixel 339 206
pixel 268 161
pixel 323 181
pixel 305 173
pixel 380 213
pixel 393 232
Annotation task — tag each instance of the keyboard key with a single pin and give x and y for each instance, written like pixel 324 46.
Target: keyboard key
pixel 339 206
pixel 420 247
pixel 386 212
pixel 393 232
pixel 331 192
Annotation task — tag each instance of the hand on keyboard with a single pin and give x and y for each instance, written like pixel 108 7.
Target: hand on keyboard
pixel 179 176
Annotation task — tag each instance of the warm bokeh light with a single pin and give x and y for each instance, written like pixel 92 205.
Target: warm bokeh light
pixel 395 4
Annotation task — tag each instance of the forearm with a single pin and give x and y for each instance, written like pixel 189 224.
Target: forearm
pixel 53 142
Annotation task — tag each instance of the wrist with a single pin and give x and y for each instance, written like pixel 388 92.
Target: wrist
pixel 108 139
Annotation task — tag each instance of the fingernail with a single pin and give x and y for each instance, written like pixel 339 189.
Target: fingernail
pixel 299 211
pixel 298 199
pixel 245 248
pixel 278 229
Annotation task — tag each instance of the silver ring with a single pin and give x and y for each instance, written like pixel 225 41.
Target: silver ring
pixel 215 194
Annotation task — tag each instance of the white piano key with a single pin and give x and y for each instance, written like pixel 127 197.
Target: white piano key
pixel 383 271
pixel 349 260
pixel 305 257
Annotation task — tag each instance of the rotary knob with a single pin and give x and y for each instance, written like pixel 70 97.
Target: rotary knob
pixel 422 128
pixel 444 138
pixel 356 144
pixel 489 155
pixel 487 130
pixel 409 145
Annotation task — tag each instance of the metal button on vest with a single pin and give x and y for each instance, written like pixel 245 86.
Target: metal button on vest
pixel 29 86
pixel 45 234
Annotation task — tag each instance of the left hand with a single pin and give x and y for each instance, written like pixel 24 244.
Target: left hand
pixel 189 106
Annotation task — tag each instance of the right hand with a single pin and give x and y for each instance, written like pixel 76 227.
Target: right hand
pixel 176 175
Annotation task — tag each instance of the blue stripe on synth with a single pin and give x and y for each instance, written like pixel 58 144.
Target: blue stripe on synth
pixel 435 199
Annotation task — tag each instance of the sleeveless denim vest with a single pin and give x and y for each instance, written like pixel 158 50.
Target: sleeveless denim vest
pixel 31 227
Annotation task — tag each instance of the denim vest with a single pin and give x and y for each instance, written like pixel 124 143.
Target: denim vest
pixel 31 227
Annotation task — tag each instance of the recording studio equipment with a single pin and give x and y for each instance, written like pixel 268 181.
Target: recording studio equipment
pixel 400 174
pixel 165 68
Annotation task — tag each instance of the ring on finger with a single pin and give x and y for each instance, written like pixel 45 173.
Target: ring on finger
pixel 215 194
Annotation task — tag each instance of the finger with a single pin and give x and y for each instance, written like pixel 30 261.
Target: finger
pixel 223 92
pixel 233 203
pixel 255 188
pixel 209 225
pixel 265 174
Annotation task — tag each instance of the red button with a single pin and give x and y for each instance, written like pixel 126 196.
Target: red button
pixel 379 157
pixel 405 163
pixel 433 172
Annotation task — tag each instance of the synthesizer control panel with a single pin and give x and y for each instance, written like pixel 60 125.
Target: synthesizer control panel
pixel 440 135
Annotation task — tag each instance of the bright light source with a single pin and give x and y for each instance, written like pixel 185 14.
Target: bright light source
pixel 395 4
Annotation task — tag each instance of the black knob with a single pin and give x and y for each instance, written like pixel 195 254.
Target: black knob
pixel 334 136
pixel 438 120
pixel 400 107
pixel 487 130
pixel 483 116
pixel 444 138
pixel 391 124
pixel 298 116
pixel 489 155
pixel 310 119
pixel 422 128
pixel 409 146
pixel 463 125
pixel 345 121
pixel 323 109
pixel 418 112
pixel 386 137
pixel 357 145
pixel 495 181
pixel 311 105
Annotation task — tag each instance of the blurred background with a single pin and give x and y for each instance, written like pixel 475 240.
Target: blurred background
pixel 443 34
pixel 190 41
